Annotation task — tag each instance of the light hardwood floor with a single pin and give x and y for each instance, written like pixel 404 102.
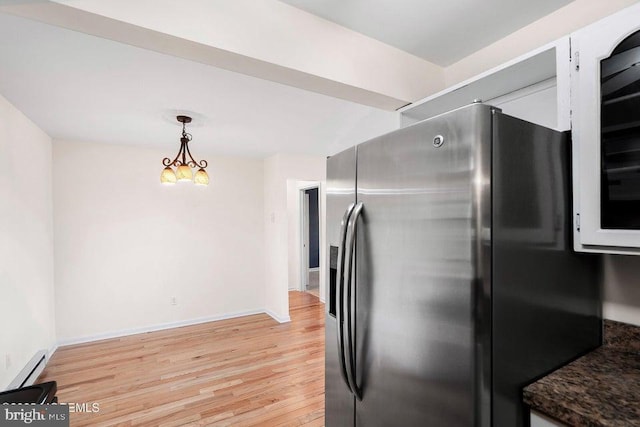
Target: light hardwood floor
pixel 248 371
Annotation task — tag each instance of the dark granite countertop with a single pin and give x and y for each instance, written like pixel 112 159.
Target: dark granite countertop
pixel 601 388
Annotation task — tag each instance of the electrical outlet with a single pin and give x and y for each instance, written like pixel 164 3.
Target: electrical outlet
pixel 174 301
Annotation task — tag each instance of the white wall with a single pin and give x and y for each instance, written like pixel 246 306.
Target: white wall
pixel 279 170
pixel 536 103
pixel 622 288
pixel 26 242
pixel 125 244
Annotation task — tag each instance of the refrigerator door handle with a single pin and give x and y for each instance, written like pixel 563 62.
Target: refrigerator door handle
pixel 340 291
pixel 350 300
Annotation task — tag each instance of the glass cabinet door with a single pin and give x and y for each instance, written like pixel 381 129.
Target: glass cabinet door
pixel 620 136
pixel 605 124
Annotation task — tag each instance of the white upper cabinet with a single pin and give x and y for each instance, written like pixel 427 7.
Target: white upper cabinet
pixel 605 103
pixel 532 87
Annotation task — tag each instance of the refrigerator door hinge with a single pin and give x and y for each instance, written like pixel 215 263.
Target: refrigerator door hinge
pixel 577 222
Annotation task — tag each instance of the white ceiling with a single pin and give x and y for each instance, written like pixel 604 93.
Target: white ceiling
pixel 440 31
pixel 80 87
pixel 86 88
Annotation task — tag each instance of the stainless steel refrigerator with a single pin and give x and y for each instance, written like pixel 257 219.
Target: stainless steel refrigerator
pixel 452 282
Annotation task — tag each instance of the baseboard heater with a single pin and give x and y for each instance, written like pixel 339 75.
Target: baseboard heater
pixel 30 373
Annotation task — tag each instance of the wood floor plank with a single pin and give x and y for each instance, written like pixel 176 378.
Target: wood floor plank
pixel 248 371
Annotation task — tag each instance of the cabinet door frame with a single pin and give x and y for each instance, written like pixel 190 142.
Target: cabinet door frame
pixel 589 46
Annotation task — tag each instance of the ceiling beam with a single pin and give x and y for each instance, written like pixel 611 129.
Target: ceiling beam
pixel 266 39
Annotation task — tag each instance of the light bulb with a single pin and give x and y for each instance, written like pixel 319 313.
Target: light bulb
pixel 168 176
pixel 201 177
pixel 183 173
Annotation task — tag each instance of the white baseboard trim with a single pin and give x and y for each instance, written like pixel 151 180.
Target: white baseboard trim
pixel 158 327
pixel 277 318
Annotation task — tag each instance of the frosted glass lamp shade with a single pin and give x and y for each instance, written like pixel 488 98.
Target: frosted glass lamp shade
pixel 183 173
pixel 168 176
pixel 201 177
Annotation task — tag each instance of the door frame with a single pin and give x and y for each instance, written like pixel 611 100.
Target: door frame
pixel 304 262
pixel 305 220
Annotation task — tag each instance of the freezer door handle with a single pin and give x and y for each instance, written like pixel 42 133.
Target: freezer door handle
pixel 349 301
pixel 340 291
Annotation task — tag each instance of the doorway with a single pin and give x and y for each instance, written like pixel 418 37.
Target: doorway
pixel 310 256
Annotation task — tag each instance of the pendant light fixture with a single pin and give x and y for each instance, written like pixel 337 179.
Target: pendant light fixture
pixel 184 161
